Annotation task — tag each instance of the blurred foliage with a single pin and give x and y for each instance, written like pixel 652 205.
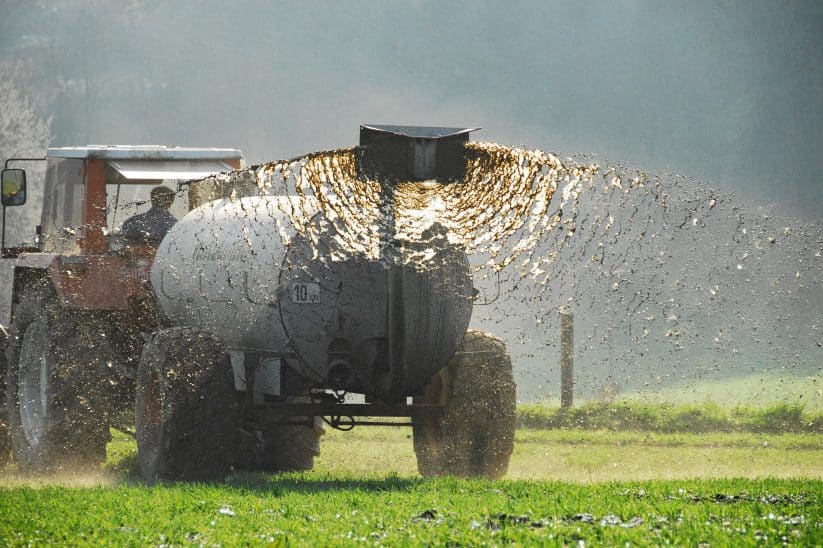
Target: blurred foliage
pixel 668 418
pixel 24 132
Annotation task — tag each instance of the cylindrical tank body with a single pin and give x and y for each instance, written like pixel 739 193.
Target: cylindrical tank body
pixel 238 270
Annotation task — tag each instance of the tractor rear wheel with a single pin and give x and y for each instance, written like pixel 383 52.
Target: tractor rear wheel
pixel 52 384
pixel 475 434
pixel 186 408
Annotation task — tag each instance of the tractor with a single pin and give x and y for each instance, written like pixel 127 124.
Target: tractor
pixel 74 301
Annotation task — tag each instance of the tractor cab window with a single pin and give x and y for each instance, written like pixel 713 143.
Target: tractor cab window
pixel 63 196
pixel 125 200
pixel 129 184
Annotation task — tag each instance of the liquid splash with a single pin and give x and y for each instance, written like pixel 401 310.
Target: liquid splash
pixel 504 198
pixel 671 281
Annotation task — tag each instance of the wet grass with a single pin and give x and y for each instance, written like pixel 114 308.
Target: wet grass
pixel 600 456
pixel 565 486
pixel 322 509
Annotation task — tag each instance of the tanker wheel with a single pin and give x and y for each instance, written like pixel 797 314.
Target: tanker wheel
pixel 475 434
pixel 51 386
pixel 186 408
pixel 290 448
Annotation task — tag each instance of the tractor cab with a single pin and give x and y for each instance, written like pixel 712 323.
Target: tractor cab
pixel 88 193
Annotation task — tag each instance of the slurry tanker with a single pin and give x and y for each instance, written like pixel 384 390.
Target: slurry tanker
pixel 249 329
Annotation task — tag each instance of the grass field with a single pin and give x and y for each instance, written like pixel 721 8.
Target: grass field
pixel 583 456
pixel 753 391
pixel 738 487
pixel 758 390
pixel 318 509
pixel 665 418
pixel 564 487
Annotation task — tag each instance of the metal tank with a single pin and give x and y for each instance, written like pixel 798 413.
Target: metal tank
pixel 238 271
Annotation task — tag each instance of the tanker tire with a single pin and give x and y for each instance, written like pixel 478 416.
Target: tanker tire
pixel 186 408
pixel 290 448
pixel 51 385
pixel 475 435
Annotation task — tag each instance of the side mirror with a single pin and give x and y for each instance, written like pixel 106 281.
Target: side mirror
pixel 13 187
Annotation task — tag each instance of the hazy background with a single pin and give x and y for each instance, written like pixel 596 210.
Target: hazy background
pixel 727 95
pixel 727 92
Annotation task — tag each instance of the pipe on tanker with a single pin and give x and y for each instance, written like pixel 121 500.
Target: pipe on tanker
pixel 395 306
pixel 397 332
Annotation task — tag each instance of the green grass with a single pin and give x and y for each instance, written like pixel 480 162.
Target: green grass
pixel 564 486
pixel 595 456
pixel 752 391
pixel 566 455
pixel 319 509
pixel 668 418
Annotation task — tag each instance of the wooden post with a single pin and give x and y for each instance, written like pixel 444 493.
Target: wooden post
pixel 566 358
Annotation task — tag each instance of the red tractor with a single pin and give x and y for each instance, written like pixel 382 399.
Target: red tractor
pixel 73 304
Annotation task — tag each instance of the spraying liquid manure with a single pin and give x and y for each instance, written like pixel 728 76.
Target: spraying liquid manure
pixel 420 271
pixel 673 281
pixel 505 194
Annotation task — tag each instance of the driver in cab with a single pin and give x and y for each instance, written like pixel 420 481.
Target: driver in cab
pixel 149 228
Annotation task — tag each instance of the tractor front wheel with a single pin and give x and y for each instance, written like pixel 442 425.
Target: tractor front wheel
pixel 52 385
pixel 475 434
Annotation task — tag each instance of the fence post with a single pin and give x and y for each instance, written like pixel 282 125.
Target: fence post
pixel 566 357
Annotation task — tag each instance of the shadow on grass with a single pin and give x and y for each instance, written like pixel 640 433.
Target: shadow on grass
pixel 278 484
pixel 306 483
pixel 123 461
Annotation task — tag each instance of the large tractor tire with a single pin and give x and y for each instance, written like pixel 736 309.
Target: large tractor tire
pixel 290 448
pixel 186 409
pixel 474 437
pixel 53 384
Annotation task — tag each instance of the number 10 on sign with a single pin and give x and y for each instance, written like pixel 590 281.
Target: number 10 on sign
pixel 305 292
